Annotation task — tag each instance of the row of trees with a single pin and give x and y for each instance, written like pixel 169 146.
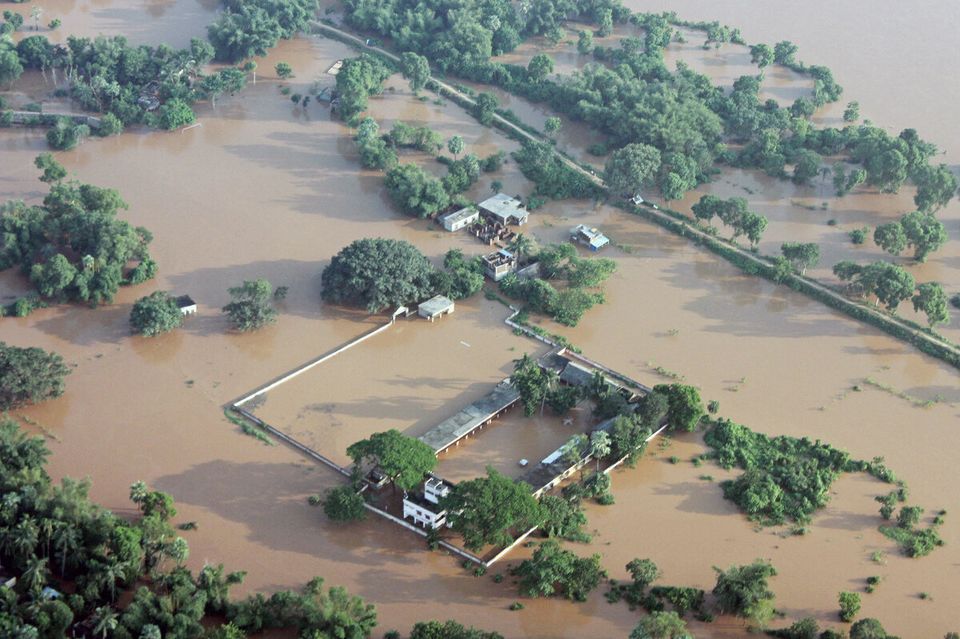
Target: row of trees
pixel 920 231
pixel 733 212
pixel 460 41
pixel 108 75
pixel 891 284
pixel 741 590
pixel 73 247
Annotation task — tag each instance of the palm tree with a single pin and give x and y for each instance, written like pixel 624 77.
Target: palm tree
pixel 105 620
pixel 139 492
pixel 599 445
pixel 178 550
pixel 107 574
pixel 550 380
pixel 522 245
pixel 34 577
pixel 66 541
pixel 46 528
pixel 25 537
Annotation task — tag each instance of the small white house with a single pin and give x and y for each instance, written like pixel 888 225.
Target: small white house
pixel 435 307
pixel 186 305
pixel 460 219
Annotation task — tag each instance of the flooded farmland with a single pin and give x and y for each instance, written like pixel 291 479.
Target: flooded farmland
pixel 266 189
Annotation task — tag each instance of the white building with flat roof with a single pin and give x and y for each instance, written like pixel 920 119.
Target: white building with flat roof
pixel 460 219
pixel 436 306
pixel 424 508
pixel 504 209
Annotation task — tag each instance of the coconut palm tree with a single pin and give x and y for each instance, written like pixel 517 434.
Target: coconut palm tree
pixel 25 538
pixel 599 445
pixel 66 542
pixel 34 576
pixel 178 550
pixel 522 245
pixel 139 492
pixel 105 620
pixel 107 574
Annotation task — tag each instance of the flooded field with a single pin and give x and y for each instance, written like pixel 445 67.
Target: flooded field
pixel 410 377
pixel 508 440
pixel 267 189
pixel 151 22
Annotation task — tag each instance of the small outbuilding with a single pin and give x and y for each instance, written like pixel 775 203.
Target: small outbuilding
pixel 186 305
pixel 435 307
pixel 460 219
pixel 504 209
pixel 588 236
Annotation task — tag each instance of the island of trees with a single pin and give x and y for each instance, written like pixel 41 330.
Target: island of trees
pixel 72 247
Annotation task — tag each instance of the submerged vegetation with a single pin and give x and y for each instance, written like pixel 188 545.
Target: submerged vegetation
pixel 785 478
pixel 29 376
pixel 72 246
pixel 128 576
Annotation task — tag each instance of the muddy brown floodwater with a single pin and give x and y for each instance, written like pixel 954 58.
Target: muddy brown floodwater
pixel 266 189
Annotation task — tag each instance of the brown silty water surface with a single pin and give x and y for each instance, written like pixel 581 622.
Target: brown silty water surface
pixel 263 189
pixel 150 22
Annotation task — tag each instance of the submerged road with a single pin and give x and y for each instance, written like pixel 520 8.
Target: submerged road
pixel 667 219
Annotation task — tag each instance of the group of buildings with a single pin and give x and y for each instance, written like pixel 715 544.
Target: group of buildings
pixel 491 221
pixel 422 507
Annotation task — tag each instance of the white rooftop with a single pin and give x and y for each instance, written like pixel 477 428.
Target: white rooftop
pixel 435 305
pixel 504 207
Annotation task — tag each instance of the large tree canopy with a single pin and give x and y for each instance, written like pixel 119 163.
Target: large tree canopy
pixel 377 273
pixel 156 313
pixel 632 168
pixel 29 375
pixel 403 459
pixel 485 510
pixel 685 406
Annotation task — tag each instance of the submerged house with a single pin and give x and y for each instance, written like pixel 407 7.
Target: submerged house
pixel 504 209
pixel 186 305
pixel 436 306
pixel 588 236
pixel 460 219
pixel 499 264
pixel 424 507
